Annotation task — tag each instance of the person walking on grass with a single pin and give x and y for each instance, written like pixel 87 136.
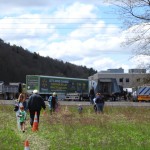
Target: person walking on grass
pixel 22 118
pixel 21 101
pixel 35 104
pixel 92 95
pixel 53 102
pixel 80 109
pixel 99 103
pixel 94 107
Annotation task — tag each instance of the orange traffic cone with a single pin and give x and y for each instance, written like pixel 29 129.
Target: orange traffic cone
pixel 35 123
pixel 26 145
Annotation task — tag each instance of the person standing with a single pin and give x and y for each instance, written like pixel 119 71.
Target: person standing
pixel 80 109
pixel 53 102
pixel 35 104
pixel 21 101
pixel 94 107
pixel 22 118
pixel 92 95
pixel 99 103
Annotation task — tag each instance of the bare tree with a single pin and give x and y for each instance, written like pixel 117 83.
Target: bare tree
pixel 136 17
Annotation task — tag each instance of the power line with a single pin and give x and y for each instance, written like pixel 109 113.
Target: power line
pixel 89 21
pixel 57 28
pixel 57 18
pixel 64 37
pixel 67 23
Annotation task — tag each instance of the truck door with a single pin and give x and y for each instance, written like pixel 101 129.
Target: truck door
pixel 105 87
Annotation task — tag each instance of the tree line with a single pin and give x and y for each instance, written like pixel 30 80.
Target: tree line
pixel 17 62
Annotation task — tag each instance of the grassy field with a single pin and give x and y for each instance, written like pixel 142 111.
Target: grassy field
pixel 119 128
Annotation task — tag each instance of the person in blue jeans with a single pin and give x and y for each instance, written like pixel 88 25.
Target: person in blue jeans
pixel 99 103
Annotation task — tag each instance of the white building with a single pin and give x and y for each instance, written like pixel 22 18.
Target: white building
pixel 125 80
pixel 137 70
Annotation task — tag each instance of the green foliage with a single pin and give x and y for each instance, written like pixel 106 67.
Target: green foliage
pixel 9 138
pixel 122 128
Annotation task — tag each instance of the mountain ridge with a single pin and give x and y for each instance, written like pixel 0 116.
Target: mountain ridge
pixel 17 62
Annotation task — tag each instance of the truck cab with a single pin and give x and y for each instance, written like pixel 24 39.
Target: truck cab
pixel 143 93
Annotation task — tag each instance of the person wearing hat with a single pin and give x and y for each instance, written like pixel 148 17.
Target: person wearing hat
pixel 35 104
pixel 53 102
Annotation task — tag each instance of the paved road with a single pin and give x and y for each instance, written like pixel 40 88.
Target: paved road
pixel 122 103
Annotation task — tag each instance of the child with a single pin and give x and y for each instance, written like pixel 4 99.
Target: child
pixel 20 102
pixel 22 116
pixel 80 109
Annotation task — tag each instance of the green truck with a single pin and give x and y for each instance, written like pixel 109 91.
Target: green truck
pixel 66 88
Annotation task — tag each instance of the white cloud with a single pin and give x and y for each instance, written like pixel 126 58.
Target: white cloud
pixel 87 30
pixel 141 59
pixel 75 13
pixel 72 32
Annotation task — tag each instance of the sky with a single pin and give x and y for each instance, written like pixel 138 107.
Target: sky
pixel 82 32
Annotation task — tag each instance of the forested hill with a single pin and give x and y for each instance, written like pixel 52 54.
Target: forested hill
pixel 16 63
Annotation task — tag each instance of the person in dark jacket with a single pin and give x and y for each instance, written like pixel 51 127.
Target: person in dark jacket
pixel 99 102
pixel 35 104
pixel 53 102
pixel 92 95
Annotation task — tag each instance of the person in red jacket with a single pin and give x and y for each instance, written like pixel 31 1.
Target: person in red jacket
pixel 35 104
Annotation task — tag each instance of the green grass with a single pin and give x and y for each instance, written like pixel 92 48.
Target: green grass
pixel 119 128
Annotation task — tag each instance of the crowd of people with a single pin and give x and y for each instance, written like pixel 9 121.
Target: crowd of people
pixel 35 103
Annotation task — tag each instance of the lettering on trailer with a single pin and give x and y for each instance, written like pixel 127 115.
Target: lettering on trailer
pixel 44 85
pixel 49 85
pixel 32 83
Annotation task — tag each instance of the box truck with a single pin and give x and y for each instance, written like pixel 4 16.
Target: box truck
pixel 66 88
